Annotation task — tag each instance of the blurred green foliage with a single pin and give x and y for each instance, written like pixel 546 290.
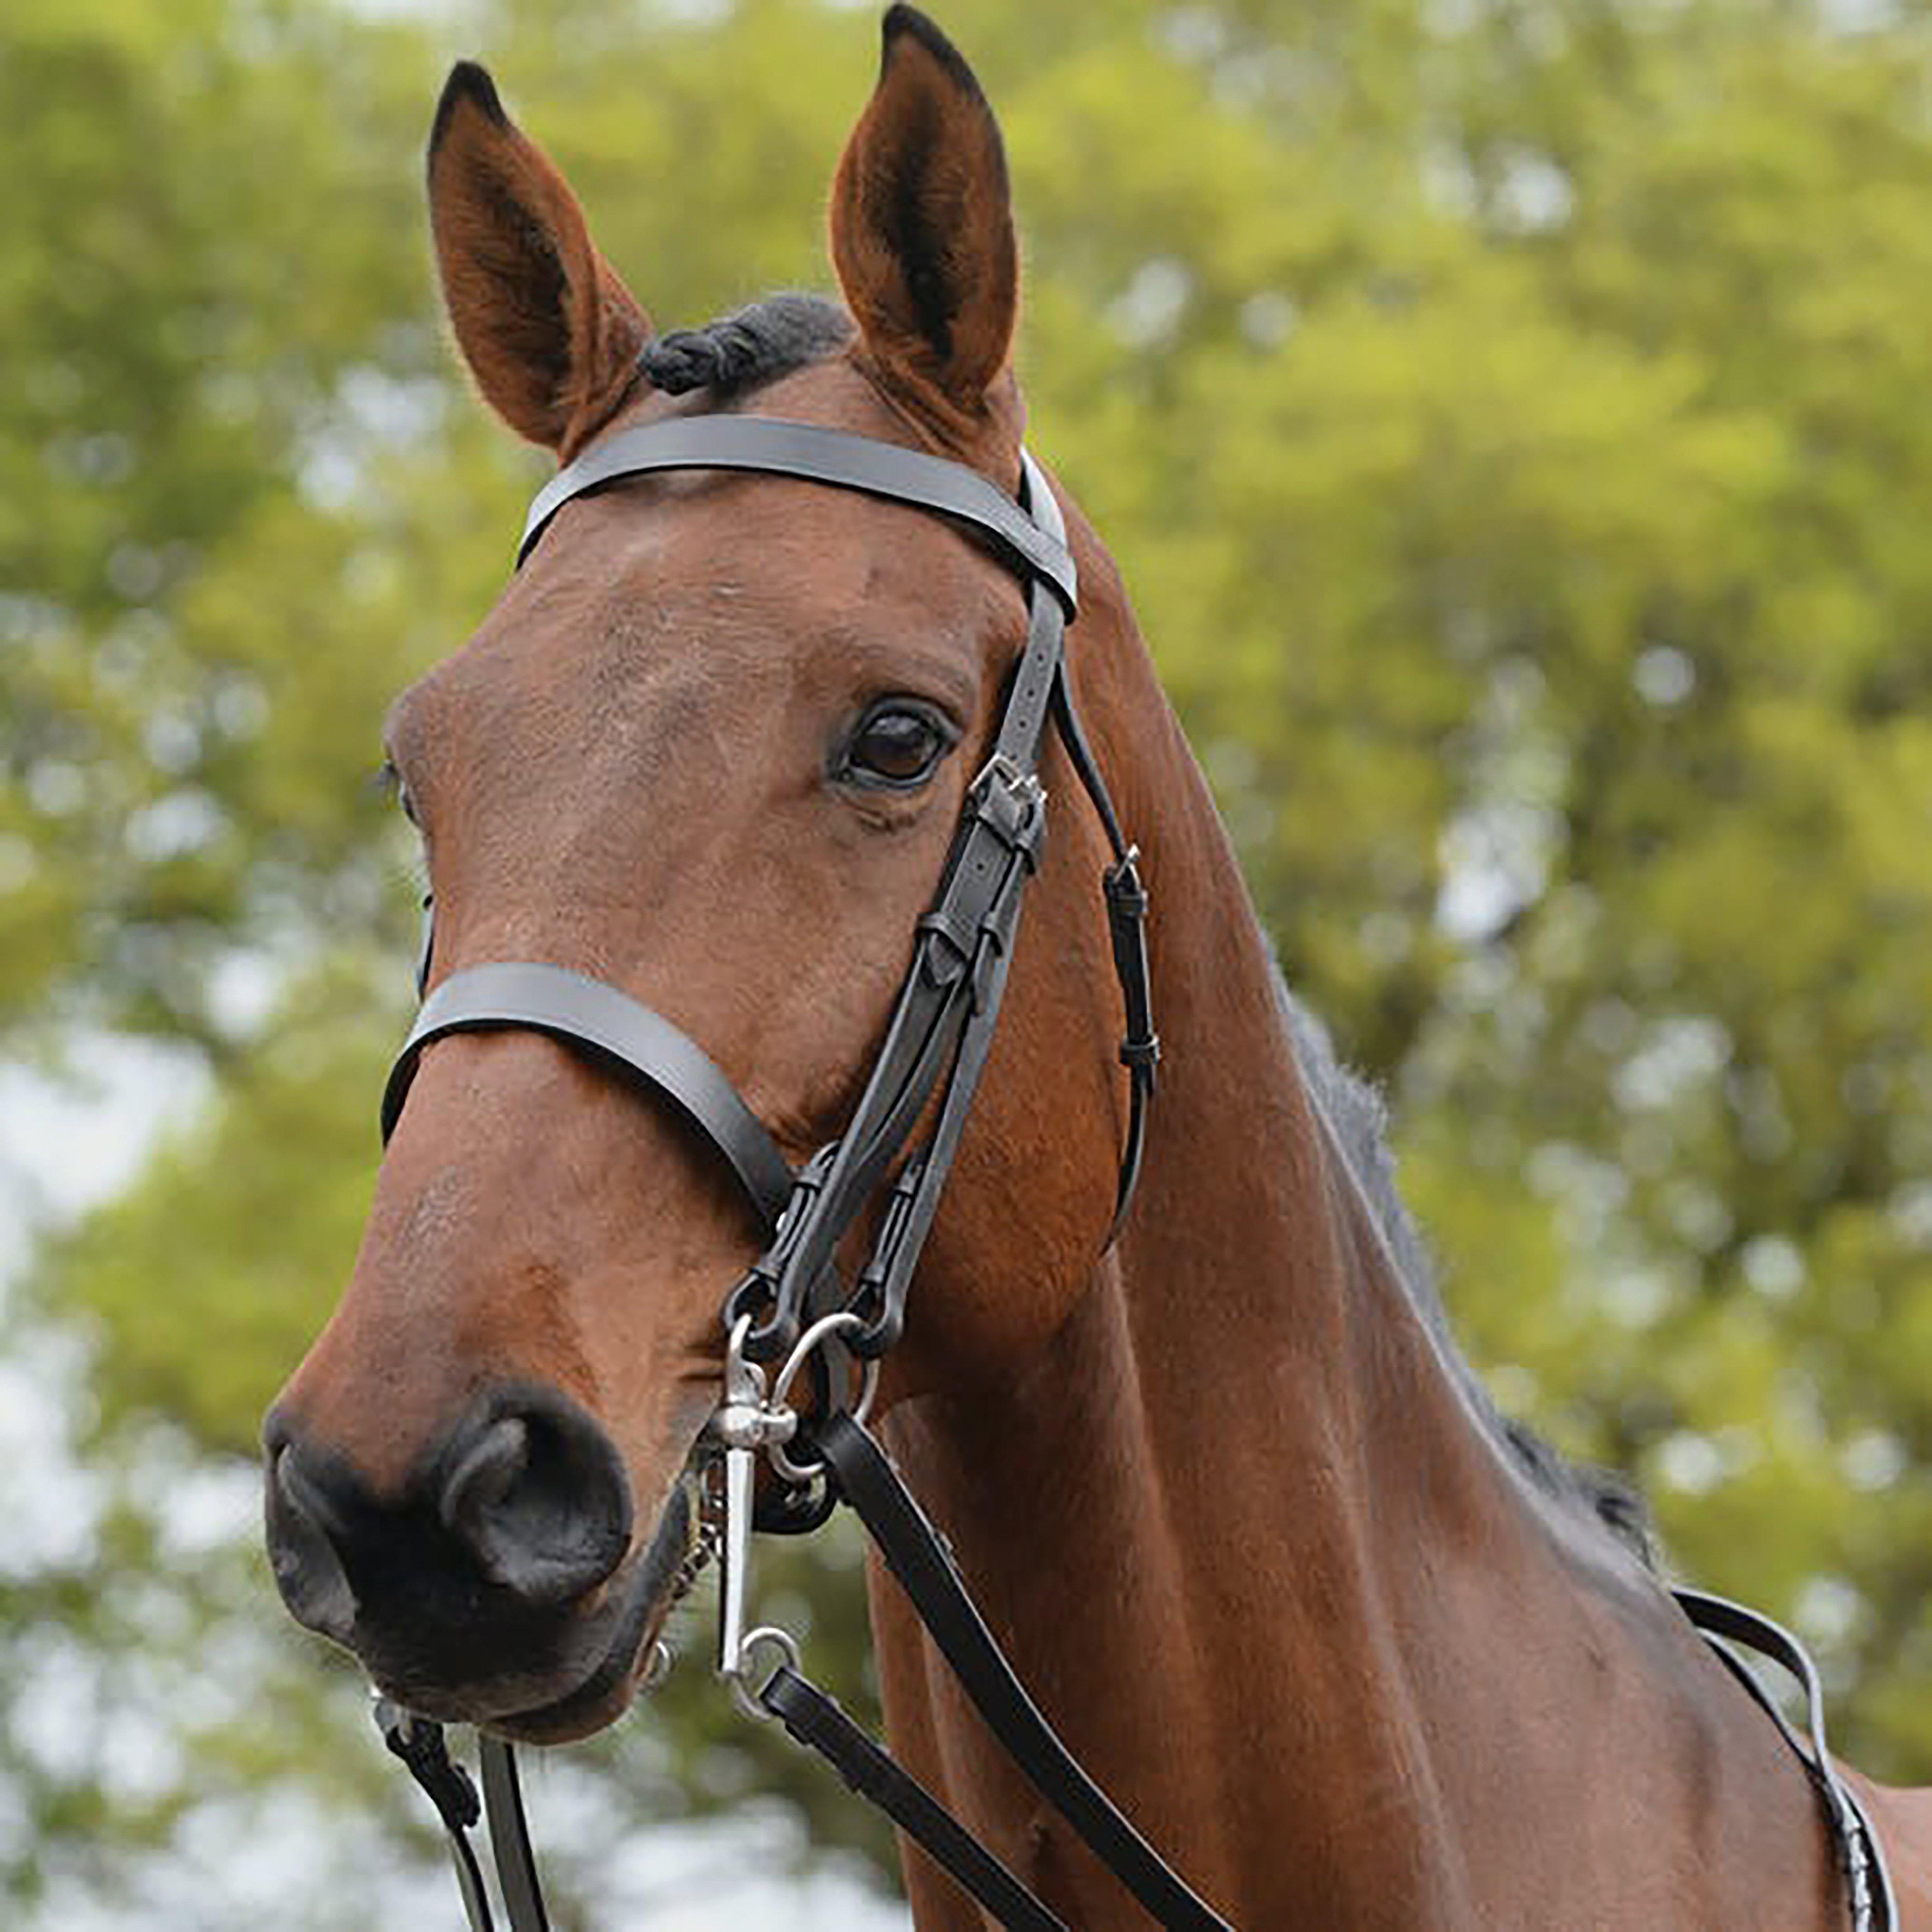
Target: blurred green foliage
pixel 1508 413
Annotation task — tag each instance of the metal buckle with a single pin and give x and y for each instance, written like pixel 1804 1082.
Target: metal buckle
pixel 1010 802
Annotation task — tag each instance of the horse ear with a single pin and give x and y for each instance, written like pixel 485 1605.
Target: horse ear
pixel 922 227
pixel 550 332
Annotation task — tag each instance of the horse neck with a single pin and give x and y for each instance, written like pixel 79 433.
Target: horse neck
pixel 1251 1544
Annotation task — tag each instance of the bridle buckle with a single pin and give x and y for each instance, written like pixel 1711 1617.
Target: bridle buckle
pixel 1011 802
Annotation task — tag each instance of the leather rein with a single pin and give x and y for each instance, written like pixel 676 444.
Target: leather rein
pixel 794 1309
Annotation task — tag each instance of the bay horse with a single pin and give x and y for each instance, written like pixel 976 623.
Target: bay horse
pixel 1352 1651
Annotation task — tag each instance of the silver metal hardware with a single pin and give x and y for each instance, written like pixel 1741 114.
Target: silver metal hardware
pixel 747 1420
pixel 815 1337
pixel 1009 799
pixel 742 1695
pixel 739 1427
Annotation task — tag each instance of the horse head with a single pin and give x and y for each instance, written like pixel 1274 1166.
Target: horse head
pixel 710 748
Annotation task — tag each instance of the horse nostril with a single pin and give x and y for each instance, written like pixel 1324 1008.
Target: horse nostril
pixel 307 1569
pixel 538 1494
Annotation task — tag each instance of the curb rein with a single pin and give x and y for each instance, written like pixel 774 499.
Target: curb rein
pixel 793 1306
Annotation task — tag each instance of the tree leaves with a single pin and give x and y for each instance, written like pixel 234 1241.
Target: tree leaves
pixel 1510 422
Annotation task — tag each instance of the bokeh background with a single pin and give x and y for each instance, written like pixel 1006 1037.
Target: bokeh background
pixel 1512 416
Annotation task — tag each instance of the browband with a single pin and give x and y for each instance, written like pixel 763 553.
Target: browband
pixel 767 445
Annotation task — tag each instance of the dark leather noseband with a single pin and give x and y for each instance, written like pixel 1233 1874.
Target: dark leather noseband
pixel 614 1027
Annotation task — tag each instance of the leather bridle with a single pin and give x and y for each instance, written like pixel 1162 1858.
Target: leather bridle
pixel 942 1026
pixel 793 1302
pixel 793 1306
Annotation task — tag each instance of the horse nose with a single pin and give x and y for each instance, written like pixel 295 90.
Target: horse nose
pixel 526 1493
pixel 304 1523
pixel 535 1492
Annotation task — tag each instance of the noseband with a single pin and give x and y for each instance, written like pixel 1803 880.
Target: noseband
pixel 793 1305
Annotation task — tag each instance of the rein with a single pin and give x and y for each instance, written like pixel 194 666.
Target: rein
pixel 793 1308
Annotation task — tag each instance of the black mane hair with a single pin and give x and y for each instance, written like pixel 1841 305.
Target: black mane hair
pixel 747 348
pixel 1355 1111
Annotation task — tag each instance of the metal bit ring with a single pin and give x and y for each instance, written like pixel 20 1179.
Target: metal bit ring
pixel 742 1695
pixel 788 1467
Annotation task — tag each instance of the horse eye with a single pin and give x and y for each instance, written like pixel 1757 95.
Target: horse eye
pixel 896 745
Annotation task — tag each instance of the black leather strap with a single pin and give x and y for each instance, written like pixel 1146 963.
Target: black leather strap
pixel 421 1745
pixel 586 1012
pixel 510 1837
pixel 1861 1856
pixel 773 446
pixel 816 1721
pixel 914 1553
pixel 941 1027
pixel 880 1299
pixel 1127 899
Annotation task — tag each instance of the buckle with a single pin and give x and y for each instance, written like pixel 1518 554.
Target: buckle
pixel 419 1742
pixel 1011 803
pixel 1126 898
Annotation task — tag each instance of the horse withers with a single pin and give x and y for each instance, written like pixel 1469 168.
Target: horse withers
pixel 1353 1653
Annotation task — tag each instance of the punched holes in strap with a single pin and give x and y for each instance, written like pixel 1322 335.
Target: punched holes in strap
pixel 586 1013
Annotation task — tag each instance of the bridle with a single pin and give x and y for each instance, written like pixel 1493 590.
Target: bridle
pixel 794 1309
pixel 792 1304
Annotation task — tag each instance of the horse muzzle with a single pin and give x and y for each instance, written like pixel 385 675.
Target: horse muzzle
pixel 492 1583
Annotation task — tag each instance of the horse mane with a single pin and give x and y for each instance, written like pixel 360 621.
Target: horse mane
pixel 744 350
pixel 1355 1111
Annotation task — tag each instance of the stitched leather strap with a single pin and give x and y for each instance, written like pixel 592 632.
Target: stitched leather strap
pixel 816 1721
pixel 1861 1856
pixel 770 446
pixel 586 1012
pixel 510 1837
pixel 914 1552
pixel 421 1745
pixel 941 1027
